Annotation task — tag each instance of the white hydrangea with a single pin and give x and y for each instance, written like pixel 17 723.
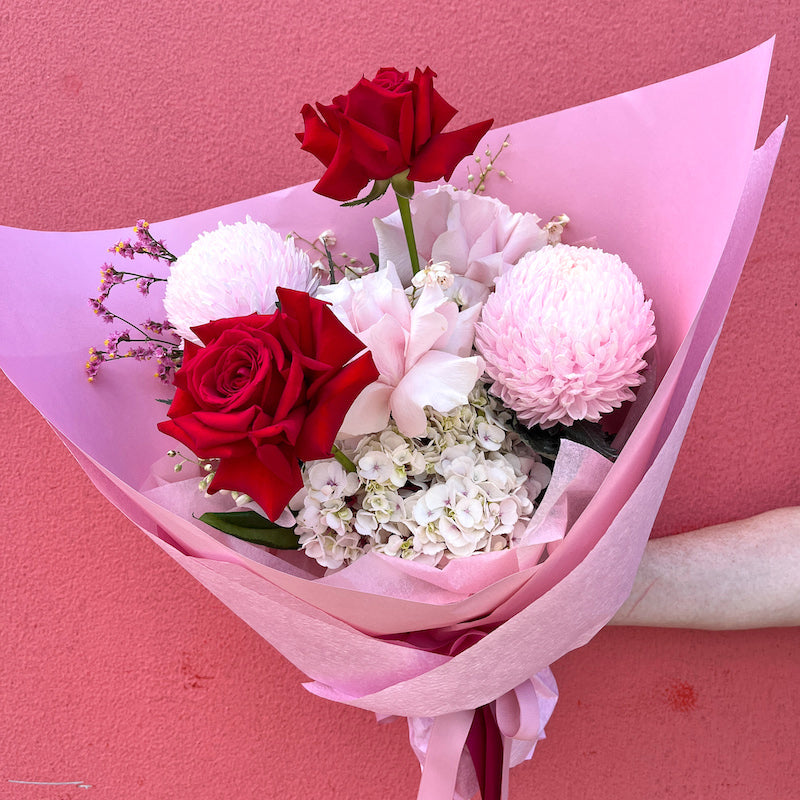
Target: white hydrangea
pixel 468 486
pixel 475 506
pixel 324 523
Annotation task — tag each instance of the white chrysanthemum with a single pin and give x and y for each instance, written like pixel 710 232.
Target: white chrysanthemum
pixel 564 335
pixel 231 272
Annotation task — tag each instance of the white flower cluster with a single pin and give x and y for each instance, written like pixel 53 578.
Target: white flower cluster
pixel 468 486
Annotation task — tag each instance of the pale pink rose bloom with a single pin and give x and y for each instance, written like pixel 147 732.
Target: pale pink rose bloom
pixel 564 335
pixel 423 353
pixel 480 237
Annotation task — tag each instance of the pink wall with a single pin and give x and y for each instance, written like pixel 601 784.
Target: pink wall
pixel 118 669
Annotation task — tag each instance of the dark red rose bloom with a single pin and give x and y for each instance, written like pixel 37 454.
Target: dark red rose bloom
pixel 383 127
pixel 266 392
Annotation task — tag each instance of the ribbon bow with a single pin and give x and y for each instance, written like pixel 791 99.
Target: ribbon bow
pixel 474 749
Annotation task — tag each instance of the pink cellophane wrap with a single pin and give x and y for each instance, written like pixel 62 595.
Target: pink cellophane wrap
pixel 667 177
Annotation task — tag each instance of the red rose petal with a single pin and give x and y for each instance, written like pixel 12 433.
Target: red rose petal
pixel 432 109
pixel 379 155
pixel 440 156
pixel 317 138
pixel 332 403
pixel 293 390
pixel 375 107
pixel 182 403
pixel 297 307
pixel 251 476
pixel 202 442
pixel 281 464
pixel 332 114
pixel 332 343
pixel 266 428
pixel 344 178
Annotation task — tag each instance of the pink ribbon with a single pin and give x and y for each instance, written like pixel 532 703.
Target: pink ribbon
pixel 493 738
pixel 446 743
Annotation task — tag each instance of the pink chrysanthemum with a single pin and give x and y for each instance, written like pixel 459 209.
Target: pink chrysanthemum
pixel 564 334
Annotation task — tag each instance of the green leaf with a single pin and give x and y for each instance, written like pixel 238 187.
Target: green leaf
pixel 590 434
pixel 375 260
pixel 546 442
pixel 542 442
pixel 252 527
pixel 331 264
pixel 378 190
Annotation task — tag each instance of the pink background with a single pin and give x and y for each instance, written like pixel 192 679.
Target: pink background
pixel 120 671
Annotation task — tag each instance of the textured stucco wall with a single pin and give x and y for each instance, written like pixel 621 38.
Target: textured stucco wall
pixel 116 668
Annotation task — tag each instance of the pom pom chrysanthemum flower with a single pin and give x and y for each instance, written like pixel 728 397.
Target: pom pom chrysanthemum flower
pixel 564 335
pixel 231 272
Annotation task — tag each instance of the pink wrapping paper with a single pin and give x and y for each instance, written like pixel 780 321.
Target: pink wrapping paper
pixel 666 176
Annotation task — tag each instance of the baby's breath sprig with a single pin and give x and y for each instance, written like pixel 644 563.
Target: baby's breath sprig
pixel 205 465
pixel 344 264
pixel 477 185
pixel 209 467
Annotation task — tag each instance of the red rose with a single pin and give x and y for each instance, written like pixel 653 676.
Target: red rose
pixel 384 127
pixel 266 392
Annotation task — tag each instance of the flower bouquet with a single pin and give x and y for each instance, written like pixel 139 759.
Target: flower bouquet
pixel 420 450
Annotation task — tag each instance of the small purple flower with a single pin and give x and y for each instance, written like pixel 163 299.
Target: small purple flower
pixel 93 363
pixel 165 369
pixel 108 277
pixel 99 309
pixel 142 352
pixel 143 284
pixel 123 248
pixel 112 343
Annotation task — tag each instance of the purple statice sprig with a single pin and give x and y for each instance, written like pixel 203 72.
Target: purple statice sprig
pixel 167 353
pixel 151 340
pixel 144 244
pixel 110 277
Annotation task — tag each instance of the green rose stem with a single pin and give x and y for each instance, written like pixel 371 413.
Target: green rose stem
pixel 348 465
pixel 404 190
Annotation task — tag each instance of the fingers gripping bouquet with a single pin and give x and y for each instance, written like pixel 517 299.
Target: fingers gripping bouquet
pixel 427 444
